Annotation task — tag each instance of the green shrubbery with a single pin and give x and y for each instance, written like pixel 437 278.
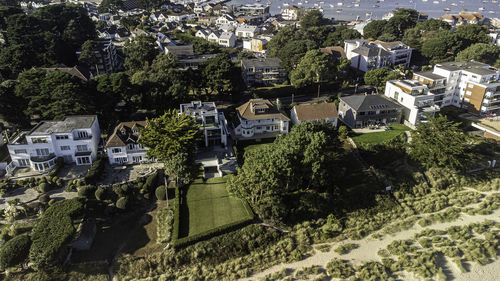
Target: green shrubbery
pixel 161 193
pixel 87 191
pixel 479 250
pixel 122 203
pixel 448 215
pixel 337 268
pixel 373 271
pixel 95 170
pixel 53 231
pixel 345 248
pixel 165 218
pixel 14 251
pixel 57 167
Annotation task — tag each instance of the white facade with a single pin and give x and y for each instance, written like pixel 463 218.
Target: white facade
pixel 259 118
pixel 226 39
pixel 74 138
pixel 290 13
pixel 123 147
pixel 246 31
pixel 213 123
pixel 366 55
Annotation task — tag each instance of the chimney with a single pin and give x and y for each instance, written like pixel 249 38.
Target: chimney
pixel 278 103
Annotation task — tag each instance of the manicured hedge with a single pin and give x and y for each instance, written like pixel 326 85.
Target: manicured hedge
pixel 151 183
pixel 57 167
pixel 161 193
pixel 177 211
pixel 53 231
pixel 14 251
pixel 95 171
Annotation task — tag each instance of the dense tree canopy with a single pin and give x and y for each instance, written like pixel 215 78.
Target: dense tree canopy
pixel 313 67
pixel 279 179
pixel 140 52
pixel 341 34
pixel 218 74
pixel 312 18
pixel 482 52
pixel 378 77
pixel 440 143
pixel 170 134
pixel 49 36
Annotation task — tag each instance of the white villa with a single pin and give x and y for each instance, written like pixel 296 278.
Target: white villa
pixel 213 123
pixel 123 147
pixel 366 55
pixel 74 138
pixel 259 118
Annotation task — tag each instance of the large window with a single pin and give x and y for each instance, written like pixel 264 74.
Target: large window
pixel 116 150
pixel 62 137
pixel 42 151
pixel 39 140
pixel 82 134
pixel 81 148
pixel 65 147
pixel 83 160
pixel 23 162
pixel 20 151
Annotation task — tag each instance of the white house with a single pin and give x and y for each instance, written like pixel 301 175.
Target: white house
pixel 290 13
pixel 227 39
pixel 416 99
pixel 224 19
pixel 213 123
pixel 123 147
pixel 258 119
pixel 366 55
pixel 227 27
pixel 315 112
pixel 74 138
pixel 203 33
pixel 246 31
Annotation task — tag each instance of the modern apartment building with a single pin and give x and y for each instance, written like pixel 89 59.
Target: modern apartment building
pixel 123 147
pixel 74 138
pixel 470 85
pixel 106 58
pixel 213 123
pixel 259 118
pixel 265 71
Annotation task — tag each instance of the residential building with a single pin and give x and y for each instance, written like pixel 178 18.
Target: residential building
pixel 193 62
pixel 258 119
pixel 123 145
pixel 366 55
pixel 255 45
pixel 253 9
pixel 463 17
pixel 224 19
pixel 79 71
pixel 74 138
pixel 361 111
pixel 246 31
pixel 213 123
pixel 203 33
pixel 266 71
pixel 315 112
pixel 290 13
pixel 227 39
pixel 416 99
pixel 179 50
pixel 106 58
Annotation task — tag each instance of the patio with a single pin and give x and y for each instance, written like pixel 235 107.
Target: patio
pixel 120 174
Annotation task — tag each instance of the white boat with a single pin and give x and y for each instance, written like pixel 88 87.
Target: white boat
pixel 356 5
pixel 446 9
pixel 482 9
pixel 332 6
pixel 454 4
pixel 491 12
pixel 340 4
pixel 435 2
pixel 339 10
pixel 375 6
pixel 285 4
pixel 425 0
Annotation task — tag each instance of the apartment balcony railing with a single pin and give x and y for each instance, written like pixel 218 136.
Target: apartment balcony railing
pixel 87 137
pixel 42 158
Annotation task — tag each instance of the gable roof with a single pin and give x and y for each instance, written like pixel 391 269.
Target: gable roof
pixel 368 102
pixel 335 51
pixel 316 111
pixel 81 72
pixel 121 139
pixel 246 111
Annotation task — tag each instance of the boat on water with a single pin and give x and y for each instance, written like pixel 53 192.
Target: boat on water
pixel 339 10
pixel 435 2
pixel 446 9
pixel 454 4
pixel 425 0
pixel 491 12
pixel 332 6
pixel 482 9
pixel 375 6
pixel 356 5
pixel 340 4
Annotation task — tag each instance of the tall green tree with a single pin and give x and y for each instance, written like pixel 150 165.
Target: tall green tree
pixel 140 52
pixel 482 52
pixel 374 29
pixel 313 67
pixel 180 167
pixel 312 18
pixel 218 74
pixel 440 143
pixel 378 78
pixel 170 134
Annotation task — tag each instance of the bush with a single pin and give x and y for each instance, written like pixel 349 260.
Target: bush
pixel 86 191
pixel 44 198
pixel 345 248
pixel 165 218
pixel 57 167
pixel 151 183
pixel 95 171
pixel 160 193
pixel 53 231
pixel 44 187
pixel 339 269
pixel 14 251
pixel 100 193
pixel 122 203
pixel 118 191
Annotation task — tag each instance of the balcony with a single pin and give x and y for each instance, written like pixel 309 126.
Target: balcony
pixel 42 158
pixel 87 137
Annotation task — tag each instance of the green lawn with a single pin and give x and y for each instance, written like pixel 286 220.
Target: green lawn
pixel 209 206
pixel 379 137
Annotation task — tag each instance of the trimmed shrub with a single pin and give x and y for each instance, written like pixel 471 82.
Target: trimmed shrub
pixel 53 231
pixel 43 187
pixel 95 171
pixel 339 269
pixel 86 191
pixel 57 167
pixel 44 198
pixel 118 191
pixel 14 251
pixel 160 193
pixel 100 193
pixel 122 203
pixel 151 183
pixel 165 218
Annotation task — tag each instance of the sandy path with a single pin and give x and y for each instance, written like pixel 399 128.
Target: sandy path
pixel 368 248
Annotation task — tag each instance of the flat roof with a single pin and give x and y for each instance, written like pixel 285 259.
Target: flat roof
pixel 430 75
pixel 66 125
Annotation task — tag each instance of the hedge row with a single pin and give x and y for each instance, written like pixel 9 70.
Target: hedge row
pixel 177 211
pixel 57 167
pixel 95 171
pixel 14 251
pixel 185 241
pixel 53 231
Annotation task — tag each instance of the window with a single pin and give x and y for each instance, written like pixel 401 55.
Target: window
pixel 20 151
pixel 81 147
pixel 82 134
pixel 39 140
pixel 362 113
pixel 23 162
pixel 42 151
pixel 62 137
pixel 116 150
pixel 83 160
pixel 65 147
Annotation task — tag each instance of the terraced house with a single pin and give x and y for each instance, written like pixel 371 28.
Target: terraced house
pixel 74 138
pixel 259 118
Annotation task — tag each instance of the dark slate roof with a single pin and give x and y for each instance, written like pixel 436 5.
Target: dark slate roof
pixel 371 51
pixel 124 133
pixel 267 62
pixel 369 102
